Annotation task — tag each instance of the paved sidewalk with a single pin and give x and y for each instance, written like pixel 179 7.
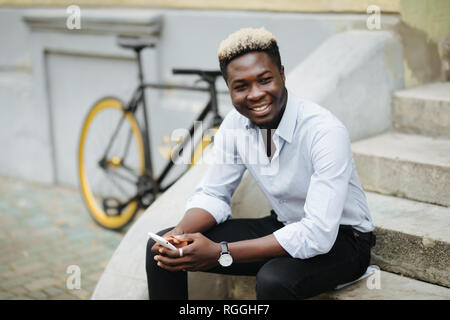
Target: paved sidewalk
pixel 43 231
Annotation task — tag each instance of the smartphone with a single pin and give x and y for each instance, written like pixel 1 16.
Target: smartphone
pixel 162 241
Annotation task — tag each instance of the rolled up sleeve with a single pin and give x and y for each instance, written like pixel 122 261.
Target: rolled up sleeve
pixel 220 210
pixel 316 233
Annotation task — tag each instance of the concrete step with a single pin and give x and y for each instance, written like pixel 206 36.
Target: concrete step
pixel 412 238
pixel 388 286
pixel 423 110
pixel 405 165
pixel 381 285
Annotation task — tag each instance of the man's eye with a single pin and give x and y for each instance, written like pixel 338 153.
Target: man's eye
pixel 240 88
pixel 266 80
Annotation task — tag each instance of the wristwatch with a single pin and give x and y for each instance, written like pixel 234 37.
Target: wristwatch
pixel 225 259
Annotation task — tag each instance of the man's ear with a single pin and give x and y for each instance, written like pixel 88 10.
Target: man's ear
pixel 283 76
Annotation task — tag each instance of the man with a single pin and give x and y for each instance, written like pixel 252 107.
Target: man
pixel 319 233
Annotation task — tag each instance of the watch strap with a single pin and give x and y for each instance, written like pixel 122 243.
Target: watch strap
pixel 224 247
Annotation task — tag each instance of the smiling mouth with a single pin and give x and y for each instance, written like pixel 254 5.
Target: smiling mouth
pixel 261 109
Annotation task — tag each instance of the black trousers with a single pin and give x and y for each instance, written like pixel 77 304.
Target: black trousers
pixel 277 278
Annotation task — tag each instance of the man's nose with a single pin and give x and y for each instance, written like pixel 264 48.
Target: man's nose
pixel 255 93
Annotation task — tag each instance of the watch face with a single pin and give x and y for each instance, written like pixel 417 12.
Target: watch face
pixel 225 260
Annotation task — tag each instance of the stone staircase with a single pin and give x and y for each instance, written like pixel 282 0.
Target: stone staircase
pixel 406 175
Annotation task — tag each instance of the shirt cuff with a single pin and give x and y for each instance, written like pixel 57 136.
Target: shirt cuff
pixel 219 209
pixel 285 236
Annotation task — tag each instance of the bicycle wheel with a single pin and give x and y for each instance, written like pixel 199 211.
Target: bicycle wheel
pixel 110 161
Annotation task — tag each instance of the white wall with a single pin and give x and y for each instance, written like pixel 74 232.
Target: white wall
pixel 42 106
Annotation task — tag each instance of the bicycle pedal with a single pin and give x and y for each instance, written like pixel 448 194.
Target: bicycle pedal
pixel 146 200
pixel 112 207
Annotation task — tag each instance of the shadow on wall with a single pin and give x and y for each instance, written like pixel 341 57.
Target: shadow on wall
pixel 421 56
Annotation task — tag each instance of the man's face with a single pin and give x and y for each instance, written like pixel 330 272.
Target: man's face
pixel 257 88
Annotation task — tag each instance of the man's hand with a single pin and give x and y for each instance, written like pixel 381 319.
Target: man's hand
pixel 170 237
pixel 201 254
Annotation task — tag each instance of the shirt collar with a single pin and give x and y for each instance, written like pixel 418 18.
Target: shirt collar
pixel 287 124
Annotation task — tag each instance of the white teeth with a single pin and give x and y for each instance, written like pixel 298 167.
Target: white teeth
pixel 260 108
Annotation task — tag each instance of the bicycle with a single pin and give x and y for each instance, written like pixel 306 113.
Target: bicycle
pixel 123 156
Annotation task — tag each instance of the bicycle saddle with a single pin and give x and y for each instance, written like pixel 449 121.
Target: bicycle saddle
pixel 135 43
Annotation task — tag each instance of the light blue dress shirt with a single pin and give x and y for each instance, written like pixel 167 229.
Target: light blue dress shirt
pixel 311 181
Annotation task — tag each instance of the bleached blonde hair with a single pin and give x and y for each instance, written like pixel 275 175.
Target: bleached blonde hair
pixel 247 40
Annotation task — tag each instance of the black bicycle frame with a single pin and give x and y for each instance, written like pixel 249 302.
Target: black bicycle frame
pixel 138 98
pixel 180 148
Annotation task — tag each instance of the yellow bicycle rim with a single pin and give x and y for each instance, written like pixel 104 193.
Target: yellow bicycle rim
pixel 97 212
